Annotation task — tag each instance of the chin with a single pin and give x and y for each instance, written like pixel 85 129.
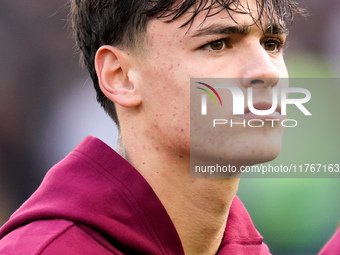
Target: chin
pixel 262 152
pixel 239 148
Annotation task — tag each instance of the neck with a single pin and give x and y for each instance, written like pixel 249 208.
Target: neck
pixel 198 208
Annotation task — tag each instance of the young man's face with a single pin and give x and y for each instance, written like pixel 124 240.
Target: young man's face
pixel 216 48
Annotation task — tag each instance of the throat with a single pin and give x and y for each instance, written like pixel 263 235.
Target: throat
pixel 198 207
pixel 200 212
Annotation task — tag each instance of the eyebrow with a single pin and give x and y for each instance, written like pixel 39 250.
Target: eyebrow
pixel 216 29
pixel 276 29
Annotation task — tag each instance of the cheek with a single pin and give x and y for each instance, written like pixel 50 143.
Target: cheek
pixel 166 103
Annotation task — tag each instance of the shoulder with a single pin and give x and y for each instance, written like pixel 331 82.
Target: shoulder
pixel 55 236
pixel 333 245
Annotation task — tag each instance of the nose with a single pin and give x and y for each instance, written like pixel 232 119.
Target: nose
pixel 259 68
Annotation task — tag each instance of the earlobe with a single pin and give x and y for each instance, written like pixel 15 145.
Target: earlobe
pixel 112 68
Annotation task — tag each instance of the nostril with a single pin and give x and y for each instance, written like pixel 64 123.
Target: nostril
pixel 256 81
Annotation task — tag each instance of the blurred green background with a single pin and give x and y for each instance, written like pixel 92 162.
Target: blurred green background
pixel 299 215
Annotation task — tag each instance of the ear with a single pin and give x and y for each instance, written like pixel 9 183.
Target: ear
pixel 112 68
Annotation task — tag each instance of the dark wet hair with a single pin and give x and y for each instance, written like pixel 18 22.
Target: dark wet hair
pixel 122 23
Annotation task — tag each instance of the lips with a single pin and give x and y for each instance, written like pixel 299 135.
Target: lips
pixel 263 105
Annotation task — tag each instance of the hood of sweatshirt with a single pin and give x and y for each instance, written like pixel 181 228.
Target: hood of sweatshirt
pixel 94 186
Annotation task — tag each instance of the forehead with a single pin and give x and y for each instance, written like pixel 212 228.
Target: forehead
pixel 245 13
pixel 259 10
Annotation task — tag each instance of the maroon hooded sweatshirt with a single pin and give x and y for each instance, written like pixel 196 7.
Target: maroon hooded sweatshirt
pixel 332 247
pixel 95 202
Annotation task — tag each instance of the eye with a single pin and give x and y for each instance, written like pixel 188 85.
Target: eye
pixel 217 45
pixel 272 45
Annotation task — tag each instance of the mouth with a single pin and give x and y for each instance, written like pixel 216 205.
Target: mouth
pixel 263 105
